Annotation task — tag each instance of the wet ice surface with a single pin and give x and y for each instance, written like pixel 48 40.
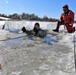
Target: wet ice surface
pixel 23 56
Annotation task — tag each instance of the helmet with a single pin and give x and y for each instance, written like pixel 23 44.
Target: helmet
pixel 65 6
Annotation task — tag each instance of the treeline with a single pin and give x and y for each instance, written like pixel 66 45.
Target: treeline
pixel 25 16
pixel 31 17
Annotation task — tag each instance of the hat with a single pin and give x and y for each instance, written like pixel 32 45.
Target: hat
pixel 65 6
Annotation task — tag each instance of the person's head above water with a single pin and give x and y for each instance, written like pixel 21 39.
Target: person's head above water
pixel 37 25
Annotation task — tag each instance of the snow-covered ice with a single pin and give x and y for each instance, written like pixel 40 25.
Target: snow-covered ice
pixel 20 55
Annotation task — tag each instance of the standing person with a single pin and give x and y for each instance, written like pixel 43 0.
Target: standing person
pixel 66 19
pixel 37 31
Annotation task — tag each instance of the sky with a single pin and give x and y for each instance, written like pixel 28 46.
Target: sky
pixel 49 8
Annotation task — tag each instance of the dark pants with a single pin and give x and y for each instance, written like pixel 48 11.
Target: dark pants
pixel 68 27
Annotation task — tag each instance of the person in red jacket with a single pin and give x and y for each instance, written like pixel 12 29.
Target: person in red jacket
pixel 66 19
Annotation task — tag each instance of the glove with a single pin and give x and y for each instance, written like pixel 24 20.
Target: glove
pixel 70 25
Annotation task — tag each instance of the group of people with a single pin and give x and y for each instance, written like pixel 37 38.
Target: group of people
pixel 66 19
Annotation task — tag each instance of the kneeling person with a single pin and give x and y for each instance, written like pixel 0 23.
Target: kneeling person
pixel 66 19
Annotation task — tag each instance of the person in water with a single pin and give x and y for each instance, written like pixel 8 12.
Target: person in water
pixel 37 31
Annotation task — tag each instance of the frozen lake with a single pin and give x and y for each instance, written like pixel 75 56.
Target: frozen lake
pixel 23 56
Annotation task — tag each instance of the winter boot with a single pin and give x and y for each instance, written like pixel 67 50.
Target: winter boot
pixel 23 29
pixel 57 29
pixel 73 29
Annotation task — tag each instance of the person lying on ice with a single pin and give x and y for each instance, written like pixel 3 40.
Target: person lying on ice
pixel 37 31
pixel 66 19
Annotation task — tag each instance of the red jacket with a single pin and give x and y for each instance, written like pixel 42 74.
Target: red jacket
pixel 68 17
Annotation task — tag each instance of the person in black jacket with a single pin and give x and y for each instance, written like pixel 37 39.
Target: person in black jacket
pixel 37 31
